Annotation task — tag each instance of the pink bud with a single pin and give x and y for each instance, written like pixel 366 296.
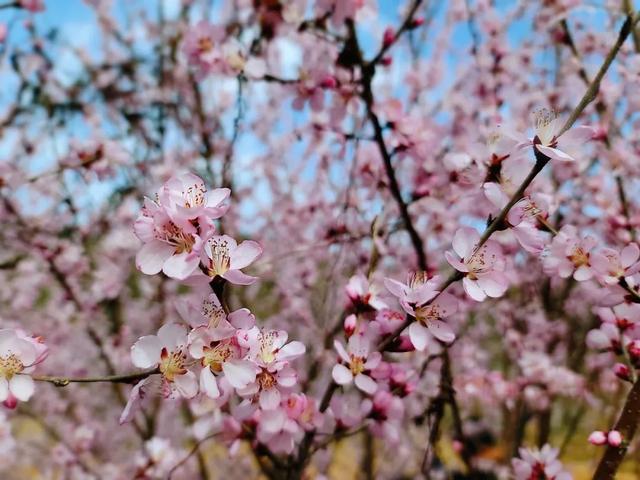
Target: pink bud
pixel 388 37
pixel 622 372
pixel 614 438
pixel 386 61
pixel 403 344
pixel 634 349
pixel 597 438
pixel 329 81
pixel 3 32
pixel 599 133
pixel 350 325
pixel 416 22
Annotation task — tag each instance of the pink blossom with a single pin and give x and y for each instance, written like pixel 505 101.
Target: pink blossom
pixel 417 299
pixel 356 364
pixel 221 357
pixel 548 140
pixel 168 352
pixel 19 354
pixel 483 268
pixel 271 354
pixel 611 266
pixel 186 198
pixel 223 257
pixel 172 246
pixel 363 295
pixel 569 254
pixel 539 464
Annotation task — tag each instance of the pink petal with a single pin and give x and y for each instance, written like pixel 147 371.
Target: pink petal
pixel 455 262
pixel 583 273
pixel 239 373
pixel 473 289
pixel 270 399
pixel 4 389
pixel 629 255
pixel 245 254
pixel 442 331
pixel 145 353
pixel 242 319
pixel 366 384
pixel 187 384
pixel 152 256
pixel 291 350
pixel 555 154
pixel 419 336
pixel 181 265
pixel 341 375
pixel 208 383
pixel 238 278
pixel 22 387
pixel 216 196
pixel 395 287
pixel 172 336
pixel 464 241
pixel 493 284
pixel 341 351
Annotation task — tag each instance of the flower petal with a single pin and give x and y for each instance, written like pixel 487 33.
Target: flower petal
pixel 152 256
pixel 22 387
pixel 145 353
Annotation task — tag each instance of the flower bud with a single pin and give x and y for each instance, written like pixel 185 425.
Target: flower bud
pixel 597 438
pixel 634 350
pixel 386 61
pixel 614 438
pixel 622 372
pixel 416 22
pixel 329 82
pixel 350 325
pixel 388 37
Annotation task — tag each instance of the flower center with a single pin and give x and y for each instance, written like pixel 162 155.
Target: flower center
pixel 356 364
pixel 544 123
pixel 172 364
pixel 428 313
pixel 205 44
pixel 265 379
pixel 267 352
pixel 10 366
pixel 477 263
pixel 219 262
pixel 174 235
pixel 215 313
pixel 418 279
pixel 579 257
pixel 216 355
pixel 194 196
